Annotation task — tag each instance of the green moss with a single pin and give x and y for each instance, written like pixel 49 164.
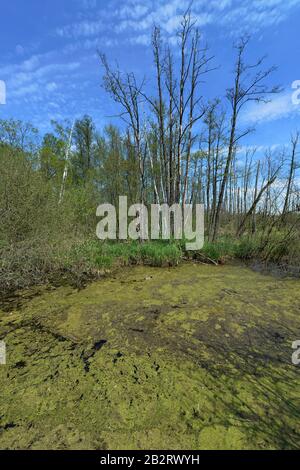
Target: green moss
pixel 192 357
pixel 220 437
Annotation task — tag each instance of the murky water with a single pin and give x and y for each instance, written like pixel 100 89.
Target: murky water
pixel 194 357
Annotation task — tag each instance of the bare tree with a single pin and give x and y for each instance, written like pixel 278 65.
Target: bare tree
pixel 257 199
pixel 247 87
pixel 294 142
pixel 124 90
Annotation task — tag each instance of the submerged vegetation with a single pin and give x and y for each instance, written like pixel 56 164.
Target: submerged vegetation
pixel 196 357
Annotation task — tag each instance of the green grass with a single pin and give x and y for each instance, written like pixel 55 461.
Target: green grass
pixel 78 261
pixel 219 250
pixel 95 253
pixel 106 254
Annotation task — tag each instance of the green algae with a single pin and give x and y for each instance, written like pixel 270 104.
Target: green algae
pixel 195 357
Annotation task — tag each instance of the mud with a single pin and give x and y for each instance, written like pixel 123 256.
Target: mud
pixel 193 357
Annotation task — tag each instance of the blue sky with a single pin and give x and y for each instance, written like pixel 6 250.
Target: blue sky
pixel 49 63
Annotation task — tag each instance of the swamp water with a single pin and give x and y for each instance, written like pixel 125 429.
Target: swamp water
pixel 193 357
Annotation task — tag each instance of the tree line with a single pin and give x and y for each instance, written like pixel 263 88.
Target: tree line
pixel 173 146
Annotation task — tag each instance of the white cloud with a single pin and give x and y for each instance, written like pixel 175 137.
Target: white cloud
pixel 51 86
pixel 106 24
pixel 26 65
pixel 220 4
pixel 41 73
pixel 173 23
pixel 140 39
pixel 26 90
pixel 133 10
pixel 257 149
pixel 83 28
pixel 236 15
pixel 30 80
pixel 135 18
pixel 281 106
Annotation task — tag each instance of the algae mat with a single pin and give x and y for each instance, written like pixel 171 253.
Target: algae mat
pixel 194 357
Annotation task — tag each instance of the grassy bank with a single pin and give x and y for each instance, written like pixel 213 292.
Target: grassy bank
pixel 79 260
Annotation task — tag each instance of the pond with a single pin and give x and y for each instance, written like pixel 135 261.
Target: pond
pixel 192 357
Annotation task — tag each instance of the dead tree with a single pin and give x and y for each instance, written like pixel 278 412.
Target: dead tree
pixel 272 176
pixel 245 89
pixel 294 142
pixel 124 90
pixel 255 196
